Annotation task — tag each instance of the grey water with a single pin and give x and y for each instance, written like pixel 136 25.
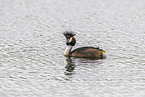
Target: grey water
pixel 32 45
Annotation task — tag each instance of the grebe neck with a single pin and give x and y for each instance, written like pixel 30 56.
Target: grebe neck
pixel 67 50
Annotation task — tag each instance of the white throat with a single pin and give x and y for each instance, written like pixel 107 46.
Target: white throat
pixel 67 50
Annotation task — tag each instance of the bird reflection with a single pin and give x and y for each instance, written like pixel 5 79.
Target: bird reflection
pixel 70 66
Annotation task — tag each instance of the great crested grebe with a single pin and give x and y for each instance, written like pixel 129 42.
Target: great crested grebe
pixel 82 52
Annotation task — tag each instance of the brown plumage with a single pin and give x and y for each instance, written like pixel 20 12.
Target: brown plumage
pixel 88 52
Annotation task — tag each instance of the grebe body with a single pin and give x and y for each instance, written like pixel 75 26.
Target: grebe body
pixel 82 52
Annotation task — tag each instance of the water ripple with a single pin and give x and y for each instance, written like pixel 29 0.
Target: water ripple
pixel 32 45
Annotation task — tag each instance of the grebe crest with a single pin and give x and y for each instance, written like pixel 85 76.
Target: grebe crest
pixel 82 52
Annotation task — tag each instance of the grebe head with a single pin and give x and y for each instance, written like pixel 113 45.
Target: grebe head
pixel 70 40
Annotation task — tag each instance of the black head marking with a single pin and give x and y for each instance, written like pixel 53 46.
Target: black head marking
pixel 68 34
pixel 70 40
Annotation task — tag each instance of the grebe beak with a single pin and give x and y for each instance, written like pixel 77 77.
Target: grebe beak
pixel 70 40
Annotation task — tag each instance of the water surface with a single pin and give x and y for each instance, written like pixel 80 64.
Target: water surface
pixel 32 45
